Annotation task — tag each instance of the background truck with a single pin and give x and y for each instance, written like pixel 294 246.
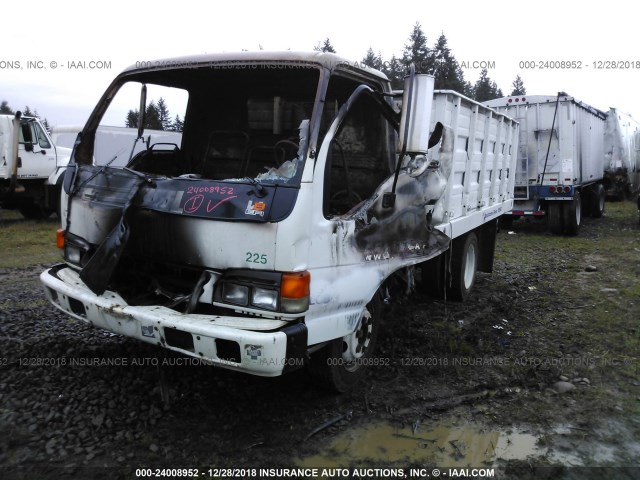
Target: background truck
pixel 31 167
pixel 297 204
pixel 112 141
pixel 561 156
pixel 622 155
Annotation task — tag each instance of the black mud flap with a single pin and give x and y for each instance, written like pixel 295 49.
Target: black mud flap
pixel 296 346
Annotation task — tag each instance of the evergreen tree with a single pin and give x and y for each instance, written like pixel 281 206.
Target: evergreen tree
pixel 4 108
pixel 325 46
pixel 156 116
pixel 177 125
pixel 447 72
pixel 468 89
pixel 394 70
pixel 416 52
pixel 152 117
pixel 132 119
pixel 163 113
pixel 485 88
pixel 518 87
pixel 27 111
pixel 372 60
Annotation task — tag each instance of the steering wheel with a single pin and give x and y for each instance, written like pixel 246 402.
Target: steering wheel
pixel 280 145
pixel 343 201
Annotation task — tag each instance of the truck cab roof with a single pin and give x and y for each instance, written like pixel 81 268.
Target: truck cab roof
pixel 329 61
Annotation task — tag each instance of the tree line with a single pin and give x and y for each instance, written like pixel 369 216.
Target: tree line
pixel 438 61
pixel 156 117
pixel 26 112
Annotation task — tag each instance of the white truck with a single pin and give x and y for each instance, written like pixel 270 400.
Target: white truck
pixel 270 237
pixel 31 167
pixel 561 158
pixel 622 155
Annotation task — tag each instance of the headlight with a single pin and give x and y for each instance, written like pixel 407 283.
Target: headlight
pixel 273 291
pixel 72 254
pixel 75 249
pixel 264 298
pixel 233 293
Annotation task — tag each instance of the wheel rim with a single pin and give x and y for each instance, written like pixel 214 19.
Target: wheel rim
pixel 470 267
pixel 356 345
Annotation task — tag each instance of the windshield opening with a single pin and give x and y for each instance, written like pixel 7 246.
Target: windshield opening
pixel 224 123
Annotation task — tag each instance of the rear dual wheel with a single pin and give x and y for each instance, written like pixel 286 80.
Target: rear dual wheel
pixel 572 215
pixel 565 216
pixel 597 197
pixel 464 266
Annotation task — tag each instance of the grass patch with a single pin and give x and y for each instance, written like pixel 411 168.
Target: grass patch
pixel 27 242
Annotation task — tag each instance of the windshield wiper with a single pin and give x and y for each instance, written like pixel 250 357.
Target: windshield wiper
pixel 260 190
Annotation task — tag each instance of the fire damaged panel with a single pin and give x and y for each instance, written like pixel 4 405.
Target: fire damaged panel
pixel 108 190
pixel 404 230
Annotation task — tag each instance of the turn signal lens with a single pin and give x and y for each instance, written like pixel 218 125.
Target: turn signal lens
pixel 295 285
pixel 60 238
pixel 294 292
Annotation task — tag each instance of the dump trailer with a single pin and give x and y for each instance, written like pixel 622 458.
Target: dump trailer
pixel 622 155
pixel 560 166
pixel 296 206
pixel 31 166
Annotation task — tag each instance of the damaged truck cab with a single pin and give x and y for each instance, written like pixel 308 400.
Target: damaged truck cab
pixel 265 240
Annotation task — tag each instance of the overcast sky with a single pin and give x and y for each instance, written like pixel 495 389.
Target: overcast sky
pixel 503 33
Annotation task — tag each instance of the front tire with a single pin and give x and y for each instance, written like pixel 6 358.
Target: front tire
pixel 433 276
pixel 341 364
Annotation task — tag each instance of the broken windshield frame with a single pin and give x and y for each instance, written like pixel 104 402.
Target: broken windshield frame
pixel 241 122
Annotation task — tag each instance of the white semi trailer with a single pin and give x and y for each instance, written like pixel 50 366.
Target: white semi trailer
pixel 269 238
pixel 561 159
pixel 622 155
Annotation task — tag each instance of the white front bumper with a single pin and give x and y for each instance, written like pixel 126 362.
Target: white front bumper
pixel 207 337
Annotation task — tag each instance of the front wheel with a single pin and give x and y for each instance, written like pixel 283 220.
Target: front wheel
pixel 342 363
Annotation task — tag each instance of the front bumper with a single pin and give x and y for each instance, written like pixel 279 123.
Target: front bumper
pixel 252 345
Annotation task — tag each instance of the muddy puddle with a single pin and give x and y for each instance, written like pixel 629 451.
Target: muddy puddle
pixel 445 444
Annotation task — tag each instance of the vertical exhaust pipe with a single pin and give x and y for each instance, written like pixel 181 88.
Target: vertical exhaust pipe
pixel 15 160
